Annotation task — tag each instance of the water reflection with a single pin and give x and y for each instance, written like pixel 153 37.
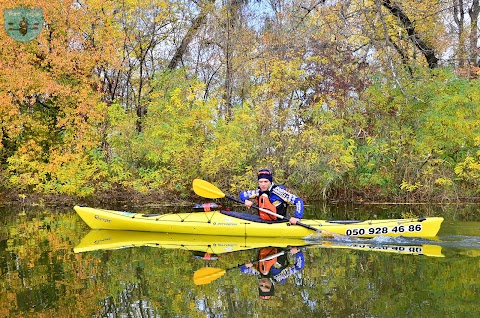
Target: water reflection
pixel 208 247
pixel 272 260
pixel 52 265
pixel 273 268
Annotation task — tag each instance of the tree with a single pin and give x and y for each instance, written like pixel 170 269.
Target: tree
pixel 49 106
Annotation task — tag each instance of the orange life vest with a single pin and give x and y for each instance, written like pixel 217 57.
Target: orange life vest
pixel 264 266
pixel 264 203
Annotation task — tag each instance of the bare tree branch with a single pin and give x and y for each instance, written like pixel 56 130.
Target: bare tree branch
pixel 192 31
pixel 426 49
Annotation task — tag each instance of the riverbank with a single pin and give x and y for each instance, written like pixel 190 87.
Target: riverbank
pixel 107 199
pixel 122 198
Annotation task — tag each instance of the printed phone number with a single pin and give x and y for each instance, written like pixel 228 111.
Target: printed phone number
pixel 384 230
pixel 396 248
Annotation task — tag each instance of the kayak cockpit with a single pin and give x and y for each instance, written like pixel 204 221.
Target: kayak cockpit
pixel 251 217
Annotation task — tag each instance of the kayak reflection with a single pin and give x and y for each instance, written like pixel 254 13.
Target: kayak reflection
pixel 207 246
pixel 276 258
pixel 211 244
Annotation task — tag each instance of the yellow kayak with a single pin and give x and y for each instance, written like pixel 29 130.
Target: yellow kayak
pixel 247 225
pixel 221 244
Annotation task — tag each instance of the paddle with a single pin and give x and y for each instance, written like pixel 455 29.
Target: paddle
pixel 208 274
pixel 207 190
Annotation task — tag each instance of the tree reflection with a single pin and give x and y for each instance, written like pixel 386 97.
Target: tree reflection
pixel 42 275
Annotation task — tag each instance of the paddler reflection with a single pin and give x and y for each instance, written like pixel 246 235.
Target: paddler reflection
pixel 274 267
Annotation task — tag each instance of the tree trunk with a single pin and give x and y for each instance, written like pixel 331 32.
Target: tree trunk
pixel 459 18
pixel 192 31
pixel 426 50
pixel 473 12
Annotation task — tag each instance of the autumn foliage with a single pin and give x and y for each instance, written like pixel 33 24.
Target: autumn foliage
pixel 354 100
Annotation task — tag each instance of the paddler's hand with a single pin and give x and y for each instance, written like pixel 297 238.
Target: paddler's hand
pixel 248 203
pixel 294 220
pixel 294 250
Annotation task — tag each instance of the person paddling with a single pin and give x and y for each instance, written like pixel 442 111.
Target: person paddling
pixel 272 197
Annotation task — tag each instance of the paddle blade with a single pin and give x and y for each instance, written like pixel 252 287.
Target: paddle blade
pixel 206 275
pixel 207 190
pixel 322 234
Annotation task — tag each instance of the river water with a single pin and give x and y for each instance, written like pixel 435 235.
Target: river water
pixel 52 265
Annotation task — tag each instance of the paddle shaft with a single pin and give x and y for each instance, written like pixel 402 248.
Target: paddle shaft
pixel 272 213
pixel 209 274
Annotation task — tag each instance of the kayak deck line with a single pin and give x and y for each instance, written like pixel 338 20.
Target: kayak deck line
pixel 256 218
pixel 251 217
pixel 217 245
pixel 233 223
pixel 421 219
pixel 158 217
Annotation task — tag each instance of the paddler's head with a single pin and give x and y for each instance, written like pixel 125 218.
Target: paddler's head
pixel 265 179
pixel 266 289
